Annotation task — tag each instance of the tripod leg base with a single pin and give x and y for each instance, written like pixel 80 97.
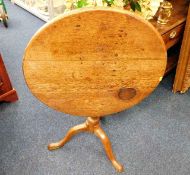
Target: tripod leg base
pixel 73 131
pixel 91 125
pixel 107 146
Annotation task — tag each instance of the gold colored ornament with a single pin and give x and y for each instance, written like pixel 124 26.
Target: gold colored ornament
pixel 165 12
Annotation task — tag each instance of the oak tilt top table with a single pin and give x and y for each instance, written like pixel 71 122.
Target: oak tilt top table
pixel 94 62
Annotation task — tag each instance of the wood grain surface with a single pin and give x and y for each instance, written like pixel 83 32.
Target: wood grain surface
pixel 82 63
pixel 182 78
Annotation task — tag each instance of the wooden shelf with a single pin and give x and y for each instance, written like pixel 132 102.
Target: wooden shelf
pixel 176 24
pixel 179 14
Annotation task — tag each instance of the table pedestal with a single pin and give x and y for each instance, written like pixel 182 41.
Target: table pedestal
pixel 91 125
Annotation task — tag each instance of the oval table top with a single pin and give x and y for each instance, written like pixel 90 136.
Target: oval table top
pixel 94 62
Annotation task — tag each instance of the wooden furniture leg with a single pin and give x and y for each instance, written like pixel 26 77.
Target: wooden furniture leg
pixel 73 131
pixel 91 125
pixel 10 96
pixel 99 132
pixel 7 93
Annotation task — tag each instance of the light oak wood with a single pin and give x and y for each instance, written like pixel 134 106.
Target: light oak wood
pixel 182 78
pixel 94 62
pixel 79 62
pixel 91 125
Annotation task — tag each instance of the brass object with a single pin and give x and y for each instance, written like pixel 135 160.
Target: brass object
pixel 126 93
pixel 173 34
pixel 91 125
pixel 164 12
